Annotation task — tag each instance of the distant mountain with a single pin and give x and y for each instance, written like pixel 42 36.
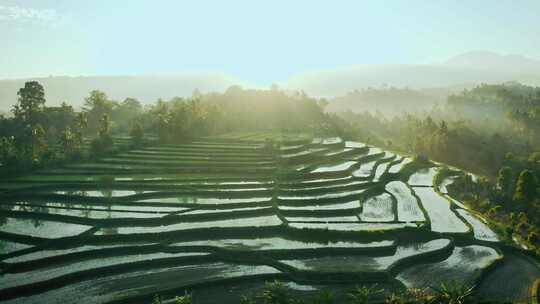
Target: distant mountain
pixel 443 78
pixel 389 101
pixel 493 61
pixel 465 70
pixel 146 88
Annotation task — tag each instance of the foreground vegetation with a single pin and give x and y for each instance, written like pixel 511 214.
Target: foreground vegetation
pixel 278 293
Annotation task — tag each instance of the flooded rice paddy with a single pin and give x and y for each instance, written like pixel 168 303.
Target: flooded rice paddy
pixel 196 216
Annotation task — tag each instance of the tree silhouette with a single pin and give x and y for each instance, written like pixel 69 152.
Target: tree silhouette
pixel 31 99
pixel 525 187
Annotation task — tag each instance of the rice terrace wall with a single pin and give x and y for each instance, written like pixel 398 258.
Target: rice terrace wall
pixel 224 212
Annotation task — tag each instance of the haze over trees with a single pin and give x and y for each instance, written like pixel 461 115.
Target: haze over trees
pixel 37 135
pixel 388 101
pixel 437 80
pixel 492 130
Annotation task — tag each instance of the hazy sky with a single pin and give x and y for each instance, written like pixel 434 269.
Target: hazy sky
pixel 260 41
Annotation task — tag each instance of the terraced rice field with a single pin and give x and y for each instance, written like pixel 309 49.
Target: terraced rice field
pixel 213 213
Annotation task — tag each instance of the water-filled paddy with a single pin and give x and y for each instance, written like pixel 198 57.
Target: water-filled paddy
pixel 261 221
pixel 204 200
pixel 143 282
pixel 338 152
pixel 378 209
pixel 481 230
pixel 95 214
pixel 101 193
pixel 407 205
pixel 464 265
pixel 41 228
pixel 310 182
pixel 315 206
pixel 83 209
pixel 423 177
pixel 381 169
pixel 322 219
pixel 366 263
pixel 10 280
pixel 354 144
pixel 442 218
pixel 47 253
pixel 282 244
pixel 397 167
pixel 324 188
pixel 7 246
pixel 365 170
pixel 339 167
pixel 351 226
pixel 322 196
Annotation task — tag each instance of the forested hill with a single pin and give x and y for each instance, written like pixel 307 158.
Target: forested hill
pixel 389 101
pixel 476 129
pixel 468 69
pixel 147 89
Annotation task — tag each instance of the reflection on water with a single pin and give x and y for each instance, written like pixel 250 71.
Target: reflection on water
pixel 187 199
pixel 463 265
pixel 104 193
pixel 109 230
pixel 7 246
pixel 3 219
pixel 359 263
pixel 42 228
pixel 329 248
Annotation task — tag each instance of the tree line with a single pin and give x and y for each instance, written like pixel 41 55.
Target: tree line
pixel 36 135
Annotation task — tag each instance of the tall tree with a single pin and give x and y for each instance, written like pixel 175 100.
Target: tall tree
pixel 81 123
pixel 9 154
pixel 124 112
pixel 30 103
pixel 136 132
pixel 38 146
pixel 104 142
pixel 525 187
pixel 95 106
pixel 505 181
pixel 105 127
pixel 70 144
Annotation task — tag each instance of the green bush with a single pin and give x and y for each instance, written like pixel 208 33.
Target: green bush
pixel 275 293
pixel 453 293
pixel 185 299
pixel 411 295
pixel 324 297
pixel 156 299
pixel 533 238
pixel 364 294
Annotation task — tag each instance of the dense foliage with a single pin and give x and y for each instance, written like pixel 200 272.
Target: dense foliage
pixel 493 130
pixel 37 135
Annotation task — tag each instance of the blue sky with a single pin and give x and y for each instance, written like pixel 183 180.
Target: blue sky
pixel 257 41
